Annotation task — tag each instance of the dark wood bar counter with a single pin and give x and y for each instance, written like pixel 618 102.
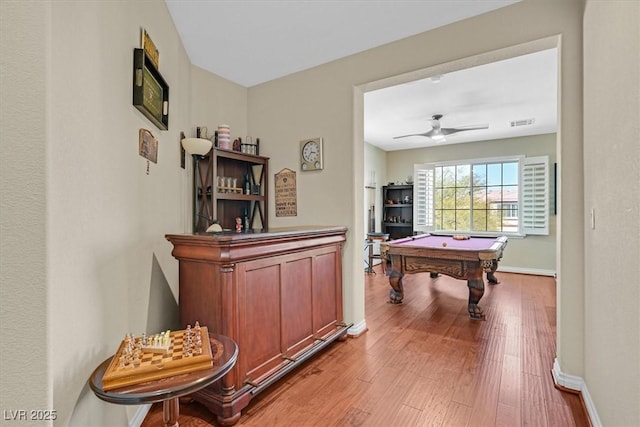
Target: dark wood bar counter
pixel 277 294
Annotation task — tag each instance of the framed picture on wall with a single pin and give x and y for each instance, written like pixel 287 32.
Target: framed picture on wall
pixel 150 90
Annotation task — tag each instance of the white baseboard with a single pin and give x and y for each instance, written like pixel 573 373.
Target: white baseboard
pixel 565 380
pixel 357 329
pixel 139 416
pixel 573 382
pixel 533 271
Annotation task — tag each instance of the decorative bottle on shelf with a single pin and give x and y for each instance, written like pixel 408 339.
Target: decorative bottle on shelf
pixel 247 185
pixel 245 220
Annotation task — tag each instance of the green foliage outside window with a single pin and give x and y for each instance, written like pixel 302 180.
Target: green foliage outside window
pixel 478 197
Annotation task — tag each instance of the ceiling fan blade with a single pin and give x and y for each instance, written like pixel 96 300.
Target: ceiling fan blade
pixel 449 131
pixel 438 133
pixel 426 134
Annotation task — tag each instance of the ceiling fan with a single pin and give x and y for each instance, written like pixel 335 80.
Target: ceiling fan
pixel 438 133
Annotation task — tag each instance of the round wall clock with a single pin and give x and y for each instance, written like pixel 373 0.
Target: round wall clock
pixel 311 154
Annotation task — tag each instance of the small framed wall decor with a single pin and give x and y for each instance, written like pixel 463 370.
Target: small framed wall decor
pixel 150 91
pixel 311 154
pixel 286 193
pixel 150 48
pixel 147 146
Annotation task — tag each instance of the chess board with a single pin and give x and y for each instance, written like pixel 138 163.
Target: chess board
pixel 157 365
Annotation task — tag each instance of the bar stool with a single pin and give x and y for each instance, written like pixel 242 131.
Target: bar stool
pixel 371 239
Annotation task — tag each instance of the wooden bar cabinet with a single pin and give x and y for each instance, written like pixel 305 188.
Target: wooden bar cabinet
pixel 277 294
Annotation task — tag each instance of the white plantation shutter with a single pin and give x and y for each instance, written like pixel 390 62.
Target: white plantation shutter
pixel 423 182
pixel 535 195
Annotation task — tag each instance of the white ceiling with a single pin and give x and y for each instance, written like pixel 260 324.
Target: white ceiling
pixel 251 42
pixel 520 88
pixel 254 41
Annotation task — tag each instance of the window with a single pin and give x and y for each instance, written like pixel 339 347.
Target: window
pixel 506 196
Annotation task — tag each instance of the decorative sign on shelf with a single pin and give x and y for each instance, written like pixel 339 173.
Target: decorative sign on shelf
pixel 286 193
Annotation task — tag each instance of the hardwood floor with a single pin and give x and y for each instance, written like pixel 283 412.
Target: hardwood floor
pixel 425 363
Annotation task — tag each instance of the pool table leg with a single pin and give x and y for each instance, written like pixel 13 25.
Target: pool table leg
pixel 396 293
pixel 490 266
pixel 476 291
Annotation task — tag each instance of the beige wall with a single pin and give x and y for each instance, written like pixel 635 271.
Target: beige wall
pixel 215 101
pixel 531 254
pixel 82 221
pixel 101 250
pixel 375 160
pixel 24 366
pixel 612 159
pixel 80 194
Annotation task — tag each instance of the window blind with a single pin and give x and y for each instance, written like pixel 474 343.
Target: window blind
pixel 535 195
pixel 423 197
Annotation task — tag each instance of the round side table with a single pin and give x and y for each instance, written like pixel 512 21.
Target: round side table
pixel 168 390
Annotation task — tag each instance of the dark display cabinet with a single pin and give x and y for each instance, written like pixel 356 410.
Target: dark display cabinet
pixel 397 214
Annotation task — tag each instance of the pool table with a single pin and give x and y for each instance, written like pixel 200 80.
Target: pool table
pixel 464 259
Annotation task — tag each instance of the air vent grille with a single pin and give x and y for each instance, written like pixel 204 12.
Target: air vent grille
pixel 522 122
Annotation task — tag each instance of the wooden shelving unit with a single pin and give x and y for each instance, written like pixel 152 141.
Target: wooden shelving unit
pixel 397 212
pixel 224 203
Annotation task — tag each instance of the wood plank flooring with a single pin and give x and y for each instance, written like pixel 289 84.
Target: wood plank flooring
pixel 425 363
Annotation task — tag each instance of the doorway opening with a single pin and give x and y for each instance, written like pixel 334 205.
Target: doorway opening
pixel 387 160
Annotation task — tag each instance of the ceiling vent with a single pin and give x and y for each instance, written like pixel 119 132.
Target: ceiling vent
pixel 522 122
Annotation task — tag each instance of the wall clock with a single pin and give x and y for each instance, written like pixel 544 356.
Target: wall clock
pixel 311 154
